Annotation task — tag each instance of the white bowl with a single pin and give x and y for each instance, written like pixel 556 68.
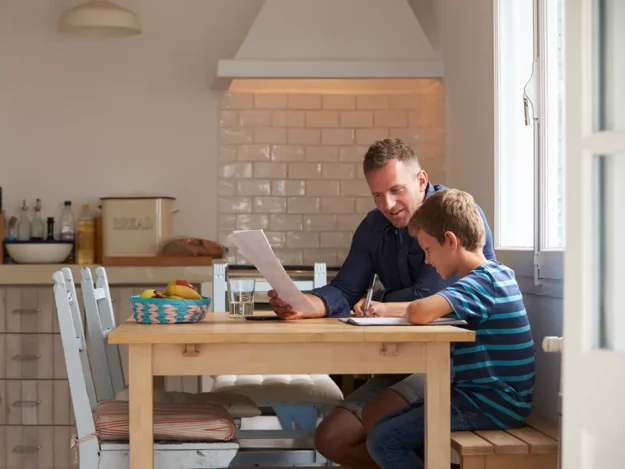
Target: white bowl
pixel 34 252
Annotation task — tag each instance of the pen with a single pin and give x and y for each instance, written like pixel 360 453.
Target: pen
pixel 369 295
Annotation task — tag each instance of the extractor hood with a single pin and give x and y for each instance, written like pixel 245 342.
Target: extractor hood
pixel 338 39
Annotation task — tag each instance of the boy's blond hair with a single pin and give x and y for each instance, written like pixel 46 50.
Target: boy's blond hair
pixel 450 210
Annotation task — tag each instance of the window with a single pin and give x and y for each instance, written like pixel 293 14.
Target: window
pixel 605 140
pixel 530 134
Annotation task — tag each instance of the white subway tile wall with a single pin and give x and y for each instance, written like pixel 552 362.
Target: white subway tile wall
pixel 291 163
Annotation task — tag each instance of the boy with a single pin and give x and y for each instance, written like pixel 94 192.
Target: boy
pixel 493 376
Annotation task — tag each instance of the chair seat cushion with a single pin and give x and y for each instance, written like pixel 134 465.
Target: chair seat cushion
pixel 172 421
pixel 237 405
pixel 281 389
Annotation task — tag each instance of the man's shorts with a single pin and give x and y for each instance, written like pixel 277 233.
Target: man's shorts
pixel 409 387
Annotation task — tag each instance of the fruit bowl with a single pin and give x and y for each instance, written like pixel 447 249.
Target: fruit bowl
pixel 178 303
pixel 168 310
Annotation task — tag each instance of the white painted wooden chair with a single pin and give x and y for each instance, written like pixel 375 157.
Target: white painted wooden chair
pixel 107 365
pixel 105 447
pixel 109 384
pixel 298 401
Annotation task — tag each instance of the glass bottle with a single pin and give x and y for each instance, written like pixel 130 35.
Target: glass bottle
pixel 68 224
pixel 50 229
pixel 37 228
pixel 85 237
pixel 23 225
pixel 98 235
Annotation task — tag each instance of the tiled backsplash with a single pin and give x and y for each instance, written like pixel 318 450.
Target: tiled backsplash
pixel 291 163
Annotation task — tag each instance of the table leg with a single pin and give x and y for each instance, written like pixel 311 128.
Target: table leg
pixel 141 406
pixel 437 407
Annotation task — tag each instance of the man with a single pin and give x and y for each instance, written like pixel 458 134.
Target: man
pixel 381 245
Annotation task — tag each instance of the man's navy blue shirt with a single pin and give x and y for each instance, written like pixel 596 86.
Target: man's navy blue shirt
pixel 379 247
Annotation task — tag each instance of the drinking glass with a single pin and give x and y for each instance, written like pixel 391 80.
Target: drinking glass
pixel 241 296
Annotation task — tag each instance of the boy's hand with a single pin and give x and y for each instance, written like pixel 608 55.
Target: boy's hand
pixel 377 310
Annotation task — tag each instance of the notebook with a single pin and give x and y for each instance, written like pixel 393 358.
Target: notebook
pixel 400 322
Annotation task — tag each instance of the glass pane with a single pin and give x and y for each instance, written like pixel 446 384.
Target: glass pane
pixel 553 64
pixel 515 140
pixel 609 193
pixel 610 37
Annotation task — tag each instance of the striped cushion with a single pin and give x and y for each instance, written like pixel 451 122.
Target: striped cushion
pixel 237 405
pixel 172 421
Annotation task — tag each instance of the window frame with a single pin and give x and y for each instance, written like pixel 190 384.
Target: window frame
pixel 545 266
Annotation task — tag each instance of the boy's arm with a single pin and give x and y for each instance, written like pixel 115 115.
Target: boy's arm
pixel 428 309
pixel 352 280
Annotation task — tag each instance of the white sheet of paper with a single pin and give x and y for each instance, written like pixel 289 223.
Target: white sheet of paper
pixel 399 322
pixel 255 247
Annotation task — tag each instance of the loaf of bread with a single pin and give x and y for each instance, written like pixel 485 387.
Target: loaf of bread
pixel 193 247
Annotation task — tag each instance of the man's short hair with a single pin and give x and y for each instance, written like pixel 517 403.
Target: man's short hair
pixel 450 210
pixel 383 151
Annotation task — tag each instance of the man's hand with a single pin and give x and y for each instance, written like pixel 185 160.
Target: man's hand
pixel 285 311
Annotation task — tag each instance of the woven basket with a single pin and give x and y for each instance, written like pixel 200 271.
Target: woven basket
pixel 168 311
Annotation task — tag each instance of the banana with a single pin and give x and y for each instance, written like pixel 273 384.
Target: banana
pixel 147 293
pixel 175 290
pixel 151 293
pixel 182 291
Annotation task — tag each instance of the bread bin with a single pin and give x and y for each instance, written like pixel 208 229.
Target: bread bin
pixel 136 225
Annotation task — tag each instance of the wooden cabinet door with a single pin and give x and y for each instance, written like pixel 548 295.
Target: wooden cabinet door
pixel 29 356
pixel 36 448
pixel 36 402
pixel 29 310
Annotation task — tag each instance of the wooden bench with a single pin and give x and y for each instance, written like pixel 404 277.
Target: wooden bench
pixel 534 446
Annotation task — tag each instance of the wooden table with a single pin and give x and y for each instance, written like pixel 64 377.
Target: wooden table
pixel 219 345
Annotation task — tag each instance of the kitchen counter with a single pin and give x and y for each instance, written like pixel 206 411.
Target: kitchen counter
pixel 32 363
pixel 41 274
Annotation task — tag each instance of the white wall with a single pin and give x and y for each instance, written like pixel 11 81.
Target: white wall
pixel 467 46
pixel 351 30
pixel 82 118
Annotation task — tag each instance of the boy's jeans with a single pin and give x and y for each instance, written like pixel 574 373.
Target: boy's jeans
pixel 396 441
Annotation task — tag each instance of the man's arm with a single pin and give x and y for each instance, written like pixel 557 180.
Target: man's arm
pixel 286 311
pixel 352 280
pixel 489 250
pixel 427 283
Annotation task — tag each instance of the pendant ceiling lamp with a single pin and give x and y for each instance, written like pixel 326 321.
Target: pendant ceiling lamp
pixel 100 18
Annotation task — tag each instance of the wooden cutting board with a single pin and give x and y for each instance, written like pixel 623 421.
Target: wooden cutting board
pixel 159 261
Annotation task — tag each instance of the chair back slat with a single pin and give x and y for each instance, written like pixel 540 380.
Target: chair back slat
pixel 75 351
pixel 107 367
pixel 107 321
pixel 101 374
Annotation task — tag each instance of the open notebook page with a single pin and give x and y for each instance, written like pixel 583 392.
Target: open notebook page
pixel 400 322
